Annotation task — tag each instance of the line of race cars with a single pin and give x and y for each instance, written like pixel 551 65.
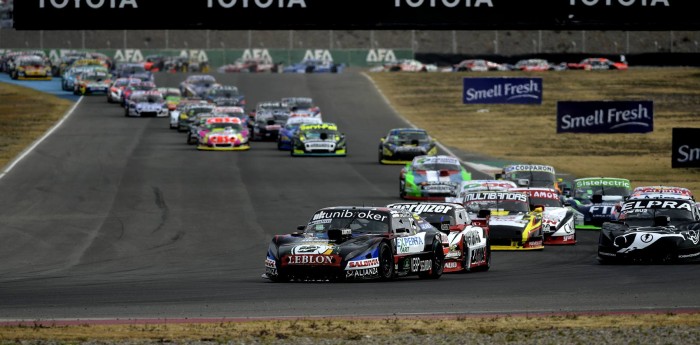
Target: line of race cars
pixel 450 222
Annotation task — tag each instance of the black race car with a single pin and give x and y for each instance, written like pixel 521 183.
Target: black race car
pixel 660 230
pixel 267 125
pixel 401 145
pixel 355 243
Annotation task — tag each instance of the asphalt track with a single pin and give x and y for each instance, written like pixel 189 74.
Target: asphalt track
pixel 118 218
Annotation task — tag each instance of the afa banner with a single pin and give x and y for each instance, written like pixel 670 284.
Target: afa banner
pixel 686 148
pixel 504 90
pixel 605 116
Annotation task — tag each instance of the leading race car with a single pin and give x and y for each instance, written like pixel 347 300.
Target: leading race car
pixel 468 247
pixel 557 219
pixel 432 178
pixel 314 66
pixel 319 140
pixel 401 145
pixel 594 200
pixel 652 230
pixel 354 242
pixel 512 224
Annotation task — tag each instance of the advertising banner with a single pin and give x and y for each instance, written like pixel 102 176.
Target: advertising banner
pixel 502 90
pixel 605 116
pixel 355 14
pixel 686 148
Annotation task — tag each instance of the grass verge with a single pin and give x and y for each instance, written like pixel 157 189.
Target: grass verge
pixel 527 133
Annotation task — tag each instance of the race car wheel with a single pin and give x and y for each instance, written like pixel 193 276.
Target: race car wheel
pixel 487 257
pixel 381 156
pixel 309 69
pixel 402 190
pixel 438 262
pixel 281 277
pixel 386 262
pixel 191 140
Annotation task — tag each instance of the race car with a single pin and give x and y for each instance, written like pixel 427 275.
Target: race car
pixel 357 243
pixel 197 85
pixel 477 65
pixel 652 230
pixel 532 175
pixel 134 70
pixel 114 93
pixel 189 112
pixel 31 67
pixel 513 225
pixel 171 95
pixel 92 83
pixel 322 139
pixel 146 104
pixel 223 134
pixel 468 246
pixel 181 108
pixel 268 124
pixel 296 104
pixel 557 220
pixel 405 65
pixel 594 199
pixel 401 145
pixel 272 106
pixel 590 64
pixel 314 66
pixel 225 95
pixel 290 128
pixel 432 178
pixel 68 78
pixel 137 86
pixel 250 65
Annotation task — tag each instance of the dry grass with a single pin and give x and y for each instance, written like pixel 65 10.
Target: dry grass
pixel 527 133
pixel 25 115
pixel 350 329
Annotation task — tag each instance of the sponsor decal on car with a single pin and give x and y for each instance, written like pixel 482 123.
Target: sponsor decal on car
pixel 360 264
pixel 409 244
pixel 365 272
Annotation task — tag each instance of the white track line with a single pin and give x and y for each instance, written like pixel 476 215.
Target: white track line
pixel 486 169
pixel 38 141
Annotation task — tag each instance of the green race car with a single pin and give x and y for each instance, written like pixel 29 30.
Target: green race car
pixel 319 140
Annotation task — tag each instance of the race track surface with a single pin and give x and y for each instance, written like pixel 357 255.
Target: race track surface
pixel 114 217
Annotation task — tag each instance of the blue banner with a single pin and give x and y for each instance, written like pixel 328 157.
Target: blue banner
pixel 605 116
pixel 502 90
pixel 686 148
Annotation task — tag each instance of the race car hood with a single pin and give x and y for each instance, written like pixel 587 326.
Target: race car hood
pixel 637 239
pixel 555 216
pixel 504 221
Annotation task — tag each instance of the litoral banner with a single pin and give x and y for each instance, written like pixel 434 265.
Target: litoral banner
pixel 502 91
pixel 605 116
pixel 686 148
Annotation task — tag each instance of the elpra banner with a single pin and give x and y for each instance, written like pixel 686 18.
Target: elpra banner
pixel 686 148
pixel 503 90
pixel 356 14
pixel 605 116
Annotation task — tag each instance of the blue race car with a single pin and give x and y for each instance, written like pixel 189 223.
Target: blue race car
pixel 287 133
pixel 314 66
pixel 595 198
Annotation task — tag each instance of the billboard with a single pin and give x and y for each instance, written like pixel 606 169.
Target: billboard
pixel 605 116
pixel 642 15
pixel 686 148
pixel 502 90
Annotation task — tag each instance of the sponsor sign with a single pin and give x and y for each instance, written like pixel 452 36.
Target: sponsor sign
pixel 502 91
pixel 357 14
pixel 686 148
pixel 605 116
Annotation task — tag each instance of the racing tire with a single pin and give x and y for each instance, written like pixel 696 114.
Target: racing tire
pixel 334 69
pixel 402 190
pixel 488 258
pixel 13 75
pixel 309 69
pixel 386 262
pixel 126 112
pixel 281 277
pixel 191 140
pixel 438 262
pixel 381 156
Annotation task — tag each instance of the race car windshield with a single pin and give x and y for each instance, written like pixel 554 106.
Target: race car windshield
pixel 537 178
pixel 360 222
pixel 547 202
pixel 95 77
pixel 224 93
pixel 204 81
pixel 32 61
pixel 588 192
pixel 436 166
pixel 409 138
pixel 501 205
pixel 438 218
pixel 149 99
pixel 322 135
pixel 645 217
pixel 225 125
pixel 144 87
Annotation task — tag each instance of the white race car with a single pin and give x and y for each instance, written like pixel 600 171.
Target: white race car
pixel 557 220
